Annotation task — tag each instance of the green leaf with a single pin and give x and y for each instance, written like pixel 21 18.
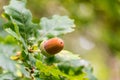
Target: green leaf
pixel 5 62
pixel 17 10
pixel 89 75
pixel 8 65
pixel 19 38
pixel 7 76
pixel 56 26
pixel 7 50
pixel 65 55
pixel 72 65
pixel 21 20
pixel 49 70
pixel 13 33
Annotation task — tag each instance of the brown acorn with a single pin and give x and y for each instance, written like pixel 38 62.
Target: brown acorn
pixel 51 46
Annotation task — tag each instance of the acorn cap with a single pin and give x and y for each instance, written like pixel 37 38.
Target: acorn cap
pixel 51 46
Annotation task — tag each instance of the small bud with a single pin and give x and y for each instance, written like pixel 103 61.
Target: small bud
pixel 16 57
pixel 30 50
pixel 51 46
pixel 18 53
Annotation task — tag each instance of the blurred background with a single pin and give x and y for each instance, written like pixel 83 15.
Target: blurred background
pixel 97 34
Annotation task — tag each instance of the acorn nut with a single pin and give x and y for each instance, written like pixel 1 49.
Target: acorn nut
pixel 51 46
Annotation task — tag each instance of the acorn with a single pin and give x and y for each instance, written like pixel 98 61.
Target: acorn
pixel 51 47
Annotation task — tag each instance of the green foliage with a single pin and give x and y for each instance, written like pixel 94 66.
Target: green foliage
pixel 32 64
pixel 10 67
pixel 56 26
pixel 97 21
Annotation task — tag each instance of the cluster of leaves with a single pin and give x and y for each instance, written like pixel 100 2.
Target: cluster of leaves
pixel 31 63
